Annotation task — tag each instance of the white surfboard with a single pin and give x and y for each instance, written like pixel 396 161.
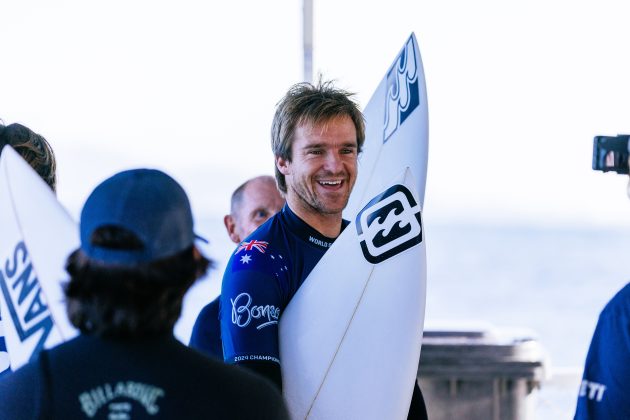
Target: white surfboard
pixel 396 129
pixel 350 338
pixel 37 236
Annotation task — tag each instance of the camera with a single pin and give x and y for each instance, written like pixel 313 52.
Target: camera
pixel 611 153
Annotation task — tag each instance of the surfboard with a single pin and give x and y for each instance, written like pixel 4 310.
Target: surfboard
pixel 37 236
pixel 350 338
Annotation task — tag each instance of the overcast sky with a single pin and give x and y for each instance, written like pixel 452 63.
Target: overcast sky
pixel 516 92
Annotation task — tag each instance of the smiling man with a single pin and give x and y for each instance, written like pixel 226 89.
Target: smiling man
pixel 317 133
pixel 320 172
pixel 316 136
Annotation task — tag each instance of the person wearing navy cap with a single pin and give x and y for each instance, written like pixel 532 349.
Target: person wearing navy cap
pixel 136 260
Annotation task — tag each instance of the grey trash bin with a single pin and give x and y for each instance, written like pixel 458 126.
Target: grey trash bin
pixel 489 375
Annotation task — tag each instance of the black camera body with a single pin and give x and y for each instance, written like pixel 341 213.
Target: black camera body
pixel 611 153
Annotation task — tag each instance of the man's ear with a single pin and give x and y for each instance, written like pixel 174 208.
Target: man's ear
pixel 283 165
pixel 230 226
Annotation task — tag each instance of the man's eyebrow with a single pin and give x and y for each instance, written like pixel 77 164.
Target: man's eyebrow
pixel 323 145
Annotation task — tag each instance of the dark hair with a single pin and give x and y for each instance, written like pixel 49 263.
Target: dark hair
pixel 126 301
pixel 314 104
pixel 33 148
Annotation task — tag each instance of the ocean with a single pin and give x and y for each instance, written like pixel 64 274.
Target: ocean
pixel 551 281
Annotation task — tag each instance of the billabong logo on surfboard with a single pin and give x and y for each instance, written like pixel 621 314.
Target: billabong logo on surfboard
pixel 402 90
pixel 389 224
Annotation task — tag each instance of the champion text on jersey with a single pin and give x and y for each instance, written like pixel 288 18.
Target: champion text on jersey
pixel 253 244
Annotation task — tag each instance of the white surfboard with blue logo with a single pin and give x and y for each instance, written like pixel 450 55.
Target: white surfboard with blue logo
pixel 350 338
pixel 37 236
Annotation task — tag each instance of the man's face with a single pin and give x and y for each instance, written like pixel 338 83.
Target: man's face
pixel 259 202
pixel 323 167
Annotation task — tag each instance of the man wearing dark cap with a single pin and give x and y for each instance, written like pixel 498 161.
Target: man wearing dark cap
pixel 136 260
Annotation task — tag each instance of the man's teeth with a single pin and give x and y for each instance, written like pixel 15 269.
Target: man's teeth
pixel 330 182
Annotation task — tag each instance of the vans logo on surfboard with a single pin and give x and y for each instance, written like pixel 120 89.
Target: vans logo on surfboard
pixel 402 93
pixel 389 224
pixel 23 295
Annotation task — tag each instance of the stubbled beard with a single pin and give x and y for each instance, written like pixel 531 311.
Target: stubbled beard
pixel 312 201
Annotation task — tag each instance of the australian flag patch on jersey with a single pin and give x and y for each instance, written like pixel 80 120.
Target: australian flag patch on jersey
pixel 256 255
pixel 259 246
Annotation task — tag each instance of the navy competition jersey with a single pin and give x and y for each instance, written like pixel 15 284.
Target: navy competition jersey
pixel 157 378
pixel 206 333
pixel 605 389
pixel 261 277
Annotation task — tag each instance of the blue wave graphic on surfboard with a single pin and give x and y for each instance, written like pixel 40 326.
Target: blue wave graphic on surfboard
pixel 402 95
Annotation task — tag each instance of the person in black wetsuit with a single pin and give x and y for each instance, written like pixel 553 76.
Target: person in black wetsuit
pixel 252 204
pixel 317 134
pixel 136 261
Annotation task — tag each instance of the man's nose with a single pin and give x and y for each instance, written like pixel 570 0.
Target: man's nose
pixel 333 163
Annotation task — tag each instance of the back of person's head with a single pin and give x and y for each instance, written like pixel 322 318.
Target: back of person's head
pixel 137 257
pixel 33 148
pixel 306 103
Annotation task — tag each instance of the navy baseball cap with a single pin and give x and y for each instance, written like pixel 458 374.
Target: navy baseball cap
pixel 146 202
